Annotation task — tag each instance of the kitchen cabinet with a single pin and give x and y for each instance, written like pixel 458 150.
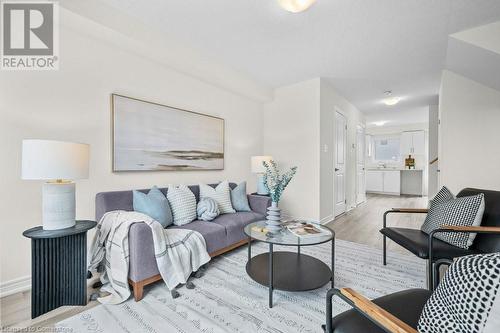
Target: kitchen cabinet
pixel 374 181
pixel 392 181
pixel 412 143
pixel 383 181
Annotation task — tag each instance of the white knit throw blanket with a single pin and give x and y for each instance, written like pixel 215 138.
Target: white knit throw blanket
pixel 178 253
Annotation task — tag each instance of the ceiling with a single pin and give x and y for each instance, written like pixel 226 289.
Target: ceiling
pixel 362 47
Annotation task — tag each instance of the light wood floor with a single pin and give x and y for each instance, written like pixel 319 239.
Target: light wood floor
pixel 360 225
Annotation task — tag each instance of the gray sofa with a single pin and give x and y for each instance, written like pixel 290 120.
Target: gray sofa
pixel 221 235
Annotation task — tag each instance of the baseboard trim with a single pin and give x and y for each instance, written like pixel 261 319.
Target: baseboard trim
pixel 15 286
pixel 326 220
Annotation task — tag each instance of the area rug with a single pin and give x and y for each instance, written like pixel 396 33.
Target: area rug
pixel 226 299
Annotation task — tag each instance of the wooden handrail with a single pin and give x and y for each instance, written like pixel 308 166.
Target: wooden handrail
pixel 434 161
pixel 381 316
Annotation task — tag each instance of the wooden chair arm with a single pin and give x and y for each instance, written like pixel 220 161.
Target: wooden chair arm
pixel 376 313
pixel 471 228
pixel 410 210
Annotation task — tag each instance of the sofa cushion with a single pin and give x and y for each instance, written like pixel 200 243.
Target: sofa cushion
pixel 214 234
pixel 235 223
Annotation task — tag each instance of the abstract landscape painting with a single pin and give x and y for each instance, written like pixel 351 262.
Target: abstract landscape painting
pixel 151 137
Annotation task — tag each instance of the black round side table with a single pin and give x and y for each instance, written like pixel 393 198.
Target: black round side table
pixel 58 267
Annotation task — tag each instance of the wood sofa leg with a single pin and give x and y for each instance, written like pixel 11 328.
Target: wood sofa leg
pixel 138 288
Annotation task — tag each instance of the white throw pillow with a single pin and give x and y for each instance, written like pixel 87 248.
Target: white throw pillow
pixel 221 194
pixel 467 299
pixel 183 204
pixel 445 209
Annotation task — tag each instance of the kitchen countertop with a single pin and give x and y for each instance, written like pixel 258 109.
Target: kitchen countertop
pixel 392 169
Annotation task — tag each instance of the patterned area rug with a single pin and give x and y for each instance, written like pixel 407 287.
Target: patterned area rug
pixel 226 299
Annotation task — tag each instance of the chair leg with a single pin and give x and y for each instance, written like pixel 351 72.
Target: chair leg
pixel 430 284
pixel 385 250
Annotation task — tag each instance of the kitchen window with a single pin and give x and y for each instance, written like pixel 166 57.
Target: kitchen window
pixel 387 149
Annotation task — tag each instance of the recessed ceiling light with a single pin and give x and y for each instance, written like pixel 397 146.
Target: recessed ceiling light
pixel 296 6
pixel 390 101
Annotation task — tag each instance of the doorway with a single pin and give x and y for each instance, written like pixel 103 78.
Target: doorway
pixel 360 165
pixel 340 163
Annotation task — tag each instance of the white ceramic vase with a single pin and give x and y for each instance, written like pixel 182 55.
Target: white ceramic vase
pixel 273 222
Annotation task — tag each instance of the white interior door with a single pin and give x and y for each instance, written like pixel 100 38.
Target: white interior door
pixel 360 166
pixel 340 163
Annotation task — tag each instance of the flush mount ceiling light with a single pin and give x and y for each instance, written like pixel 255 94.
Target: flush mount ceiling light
pixel 389 100
pixel 296 6
pixel 380 123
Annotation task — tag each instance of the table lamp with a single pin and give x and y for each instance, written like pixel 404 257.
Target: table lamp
pixel 258 168
pixel 58 163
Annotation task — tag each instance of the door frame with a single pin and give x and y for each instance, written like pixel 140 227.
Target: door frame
pixel 361 129
pixel 341 113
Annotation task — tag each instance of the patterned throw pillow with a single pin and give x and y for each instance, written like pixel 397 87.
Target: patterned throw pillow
pixel 183 204
pixel 207 209
pixel 239 198
pixel 221 194
pixel 445 209
pixel 154 204
pixel 467 299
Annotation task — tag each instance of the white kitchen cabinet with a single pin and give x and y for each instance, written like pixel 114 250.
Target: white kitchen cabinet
pixel 392 181
pixel 374 181
pixel 383 181
pixel 412 143
pixel 419 143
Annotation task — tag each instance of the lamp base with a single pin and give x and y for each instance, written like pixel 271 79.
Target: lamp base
pixel 261 188
pixel 58 205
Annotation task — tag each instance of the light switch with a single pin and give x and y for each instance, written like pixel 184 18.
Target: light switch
pixel 325 148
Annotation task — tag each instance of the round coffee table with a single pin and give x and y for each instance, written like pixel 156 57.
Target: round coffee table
pixel 289 271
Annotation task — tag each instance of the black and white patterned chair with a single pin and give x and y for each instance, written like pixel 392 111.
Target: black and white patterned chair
pixel 467 300
pixel 426 246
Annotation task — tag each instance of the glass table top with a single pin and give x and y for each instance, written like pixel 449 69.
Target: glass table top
pixel 256 230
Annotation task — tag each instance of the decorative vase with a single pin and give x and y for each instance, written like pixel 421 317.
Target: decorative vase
pixel 273 222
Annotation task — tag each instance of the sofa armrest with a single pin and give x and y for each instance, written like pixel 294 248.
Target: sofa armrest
pixel 259 203
pixel 142 263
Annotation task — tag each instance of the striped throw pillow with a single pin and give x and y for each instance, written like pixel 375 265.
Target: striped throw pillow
pixel 183 204
pixel 221 194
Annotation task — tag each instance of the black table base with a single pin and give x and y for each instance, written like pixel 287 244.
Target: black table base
pixel 58 267
pixel 292 271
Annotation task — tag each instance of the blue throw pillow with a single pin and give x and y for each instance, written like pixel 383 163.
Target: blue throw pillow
pixel 239 198
pixel 153 204
pixel 207 209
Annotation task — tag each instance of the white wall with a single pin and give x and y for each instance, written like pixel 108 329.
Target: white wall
pixel 433 177
pixel 332 101
pixel 469 152
pixel 73 104
pixel 298 123
pixel 291 136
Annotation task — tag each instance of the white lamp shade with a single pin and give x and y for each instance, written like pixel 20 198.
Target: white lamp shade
pixel 257 166
pixel 52 160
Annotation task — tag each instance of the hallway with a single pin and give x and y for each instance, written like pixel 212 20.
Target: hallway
pixel 362 224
